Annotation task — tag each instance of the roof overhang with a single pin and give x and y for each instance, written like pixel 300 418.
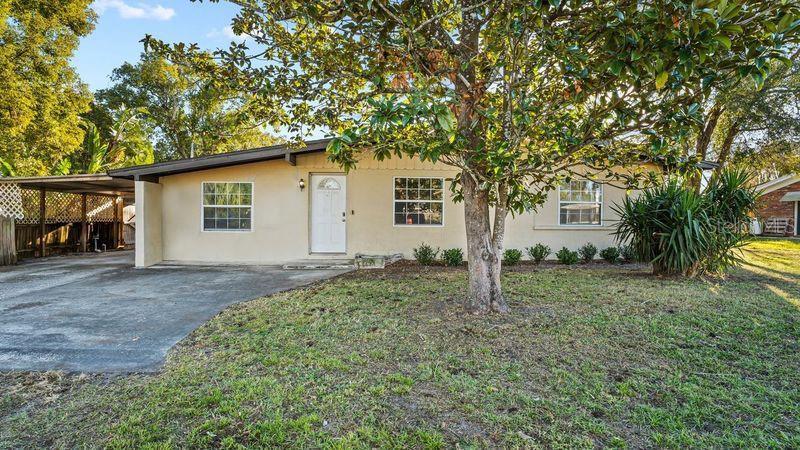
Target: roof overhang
pixel 778 183
pixel 791 197
pixel 75 184
pixel 152 172
pixel 707 165
pixel 701 165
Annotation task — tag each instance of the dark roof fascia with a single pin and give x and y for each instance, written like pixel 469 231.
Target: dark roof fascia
pixel 152 172
pixel 76 184
pixel 702 164
pixel 707 165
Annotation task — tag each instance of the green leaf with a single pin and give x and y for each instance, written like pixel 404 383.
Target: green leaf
pixel 732 28
pixel 724 40
pixel 334 146
pixel 758 78
pixel 661 80
pixel 616 67
pixel 786 61
pixel 783 24
pixel 447 121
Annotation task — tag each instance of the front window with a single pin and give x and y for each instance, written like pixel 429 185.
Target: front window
pixel 580 202
pixel 418 201
pixel 227 206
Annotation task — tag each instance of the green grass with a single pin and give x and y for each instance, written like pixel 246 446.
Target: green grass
pixel 588 357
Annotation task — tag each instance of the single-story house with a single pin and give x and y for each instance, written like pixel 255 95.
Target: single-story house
pixel 273 205
pixel 778 205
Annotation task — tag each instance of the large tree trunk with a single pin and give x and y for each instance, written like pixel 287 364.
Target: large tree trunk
pixel 483 250
pixel 704 139
pixel 484 245
pixel 701 149
pixel 725 148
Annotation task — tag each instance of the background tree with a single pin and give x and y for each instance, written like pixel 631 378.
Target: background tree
pixel 755 122
pixel 124 143
pixel 519 95
pixel 187 113
pixel 762 129
pixel 42 95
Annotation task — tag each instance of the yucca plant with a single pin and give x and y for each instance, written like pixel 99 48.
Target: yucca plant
pixel 732 200
pixel 684 232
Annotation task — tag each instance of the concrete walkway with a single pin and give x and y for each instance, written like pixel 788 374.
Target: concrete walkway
pixel 96 313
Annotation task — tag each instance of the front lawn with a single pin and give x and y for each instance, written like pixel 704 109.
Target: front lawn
pixel 588 357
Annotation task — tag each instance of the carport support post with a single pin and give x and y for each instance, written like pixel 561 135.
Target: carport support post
pixel 115 229
pixel 42 223
pixel 84 229
pixel 121 223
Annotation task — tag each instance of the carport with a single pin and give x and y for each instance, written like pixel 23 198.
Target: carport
pixel 43 216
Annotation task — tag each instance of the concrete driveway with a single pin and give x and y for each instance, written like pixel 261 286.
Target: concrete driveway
pixel 97 313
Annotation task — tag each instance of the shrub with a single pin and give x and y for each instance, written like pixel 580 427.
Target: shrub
pixel 681 231
pixel 538 253
pixel 567 256
pixel 511 256
pixel 587 252
pixel 610 254
pixel 425 254
pixel 627 253
pixel 453 257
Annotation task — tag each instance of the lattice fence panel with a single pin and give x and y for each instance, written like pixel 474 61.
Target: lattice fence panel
pixel 30 207
pixel 62 207
pixel 23 205
pixel 100 208
pixel 11 201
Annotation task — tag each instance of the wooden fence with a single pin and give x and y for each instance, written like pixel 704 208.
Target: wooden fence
pixel 129 235
pixel 8 250
pixel 62 238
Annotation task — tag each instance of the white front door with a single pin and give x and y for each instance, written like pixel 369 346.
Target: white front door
pixel 328 213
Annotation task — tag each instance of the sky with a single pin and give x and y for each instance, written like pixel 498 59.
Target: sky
pixel 121 25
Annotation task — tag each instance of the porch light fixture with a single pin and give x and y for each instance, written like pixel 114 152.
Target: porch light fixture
pixel 302 184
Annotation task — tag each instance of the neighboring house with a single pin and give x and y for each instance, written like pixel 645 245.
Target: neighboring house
pixel 777 207
pixel 273 206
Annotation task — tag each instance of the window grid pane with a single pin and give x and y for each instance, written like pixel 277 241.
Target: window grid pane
pixel 227 206
pixel 418 201
pixel 580 203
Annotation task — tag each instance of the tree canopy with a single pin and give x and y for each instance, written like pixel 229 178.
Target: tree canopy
pixel 761 127
pixel 186 112
pixel 122 141
pixel 42 96
pixel 520 95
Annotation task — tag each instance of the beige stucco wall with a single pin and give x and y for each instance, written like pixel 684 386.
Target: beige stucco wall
pixel 281 215
pixel 149 221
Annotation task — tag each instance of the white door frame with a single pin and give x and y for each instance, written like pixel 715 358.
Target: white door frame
pixel 313 178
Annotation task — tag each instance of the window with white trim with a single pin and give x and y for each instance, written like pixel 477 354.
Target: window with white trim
pixel 580 202
pixel 227 206
pixel 418 201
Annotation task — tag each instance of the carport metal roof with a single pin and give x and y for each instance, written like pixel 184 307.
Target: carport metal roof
pixel 75 184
